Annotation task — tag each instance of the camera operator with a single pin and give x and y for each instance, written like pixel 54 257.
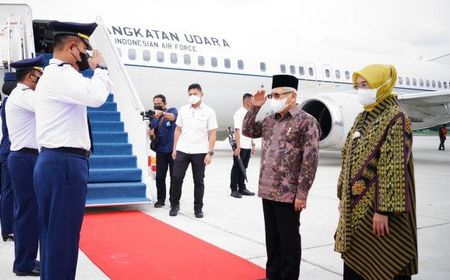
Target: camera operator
pixel 162 128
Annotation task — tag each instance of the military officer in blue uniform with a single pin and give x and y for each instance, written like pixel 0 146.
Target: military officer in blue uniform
pixel 61 171
pixel 21 124
pixel 6 194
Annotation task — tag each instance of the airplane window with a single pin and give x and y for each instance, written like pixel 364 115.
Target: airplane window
pixel 262 66
pixel 187 59
pixel 439 84
pixel 132 54
pixel 433 83
pixel 327 73
pixel 407 81
pixel 241 64
pixel 214 61
pixel 414 81
pixel 119 51
pixel 445 84
pixel 347 75
pixel 283 68
pixel 160 56
pixel 421 82
pixel 227 63
pixel 337 74
pixel 301 70
pixel 146 55
pixel 400 80
pixel 311 71
pixel 292 69
pixel 173 58
pixel 201 60
pixel 427 82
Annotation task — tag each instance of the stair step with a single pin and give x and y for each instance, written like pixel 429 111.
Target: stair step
pixel 125 161
pixel 107 126
pixel 110 137
pixel 107 106
pixel 112 149
pixel 124 190
pixel 104 116
pixel 117 201
pixel 114 175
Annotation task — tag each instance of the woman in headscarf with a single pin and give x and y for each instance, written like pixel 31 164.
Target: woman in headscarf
pixel 377 232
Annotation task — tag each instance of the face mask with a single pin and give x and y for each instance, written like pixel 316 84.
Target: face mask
pixel 84 63
pixel 194 99
pixel 368 96
pixel 277 105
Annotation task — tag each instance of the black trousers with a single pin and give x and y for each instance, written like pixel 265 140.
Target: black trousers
pixel 441 145
pixel 350 274
pixel 180 166
pixel 283 241
pixel 164 161
pixel 237 178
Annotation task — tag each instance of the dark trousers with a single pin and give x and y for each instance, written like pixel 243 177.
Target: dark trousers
pixel 180 166
pixel 26 229
pixel 237 177
pixel 350 274
pixel 283 241
pixel 164 161
pixel 7 201
pixel 61 183
pixel 441 145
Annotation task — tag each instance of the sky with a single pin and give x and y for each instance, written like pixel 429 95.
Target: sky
pixel 411 29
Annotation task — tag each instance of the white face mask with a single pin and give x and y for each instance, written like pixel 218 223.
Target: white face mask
pixel 194 99
pixel 278 105
pixel 368 96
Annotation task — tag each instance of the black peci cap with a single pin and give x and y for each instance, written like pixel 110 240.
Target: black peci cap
pixel 284 81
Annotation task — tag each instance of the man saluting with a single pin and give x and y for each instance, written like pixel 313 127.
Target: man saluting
pixel 61 171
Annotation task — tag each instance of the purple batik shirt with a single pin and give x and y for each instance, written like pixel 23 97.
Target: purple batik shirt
pixel 289 154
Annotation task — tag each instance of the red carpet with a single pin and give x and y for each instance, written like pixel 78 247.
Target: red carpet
pixel 132 245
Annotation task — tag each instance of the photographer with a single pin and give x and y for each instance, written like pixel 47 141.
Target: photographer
pixel 161 131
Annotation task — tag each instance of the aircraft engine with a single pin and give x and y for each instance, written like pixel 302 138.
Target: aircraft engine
pixel 335 112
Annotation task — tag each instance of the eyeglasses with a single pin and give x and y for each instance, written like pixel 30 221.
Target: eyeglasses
pixel 277 95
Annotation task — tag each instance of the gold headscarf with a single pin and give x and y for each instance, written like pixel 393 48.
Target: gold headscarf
pixel 378 75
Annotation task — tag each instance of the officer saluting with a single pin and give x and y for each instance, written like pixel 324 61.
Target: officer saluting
pixel 21 125
pixel 61 171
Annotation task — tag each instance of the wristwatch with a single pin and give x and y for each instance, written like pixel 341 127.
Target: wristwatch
pixel 211 153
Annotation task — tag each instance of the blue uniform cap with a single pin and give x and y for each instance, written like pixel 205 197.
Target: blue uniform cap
pixel 35 63
pixel 10 76
pixel 82 30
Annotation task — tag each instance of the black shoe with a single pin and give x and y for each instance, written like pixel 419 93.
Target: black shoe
pixel 246 192
pixel 35 272
pixel 174 211
pixel 8 237
pixel 235 194
pixel 198 214
pixel 159 204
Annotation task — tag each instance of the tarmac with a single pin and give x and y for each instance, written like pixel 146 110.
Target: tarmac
pixel 236 225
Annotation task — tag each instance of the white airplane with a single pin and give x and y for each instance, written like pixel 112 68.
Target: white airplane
pixel 144 61
pixel 166 61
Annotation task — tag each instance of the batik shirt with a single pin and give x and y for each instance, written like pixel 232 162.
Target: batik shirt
pixel 289 155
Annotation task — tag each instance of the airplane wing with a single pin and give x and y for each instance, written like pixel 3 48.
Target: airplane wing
pixel 426 109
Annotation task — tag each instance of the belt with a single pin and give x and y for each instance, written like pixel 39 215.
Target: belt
pixel 29 151
pixel 77 151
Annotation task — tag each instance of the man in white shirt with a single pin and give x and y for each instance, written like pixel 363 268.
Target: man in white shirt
pixel 195 137
pixel 21 124
pixel 244 148
pixel 61 171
